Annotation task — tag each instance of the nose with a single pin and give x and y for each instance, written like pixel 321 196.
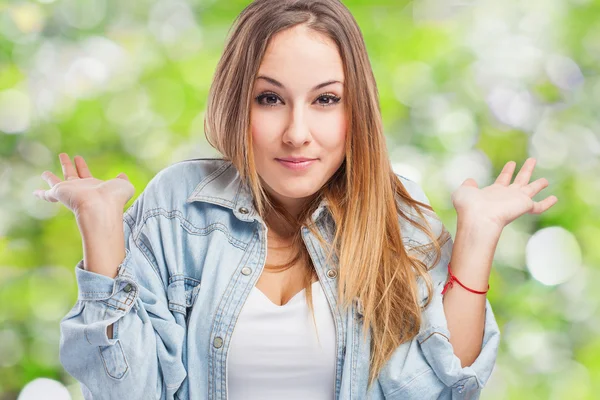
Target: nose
pixel 298 131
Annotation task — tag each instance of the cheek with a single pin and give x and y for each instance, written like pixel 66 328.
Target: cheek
pixel 265 128
pixel 260 135
pixel 332 133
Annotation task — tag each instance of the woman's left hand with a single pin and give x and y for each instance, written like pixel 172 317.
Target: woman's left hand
pixel 502 202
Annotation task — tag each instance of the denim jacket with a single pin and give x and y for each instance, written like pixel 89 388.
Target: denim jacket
pixel 195 246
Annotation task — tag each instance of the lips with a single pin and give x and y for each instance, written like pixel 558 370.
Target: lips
pixel 295 164
pixel 296 159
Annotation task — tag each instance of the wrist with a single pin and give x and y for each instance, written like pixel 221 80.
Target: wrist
pixel 453 279
pixel 102 220
pixel 478 227
pixel 473 252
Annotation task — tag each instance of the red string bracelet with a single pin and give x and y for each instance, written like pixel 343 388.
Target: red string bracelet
pixel 453 279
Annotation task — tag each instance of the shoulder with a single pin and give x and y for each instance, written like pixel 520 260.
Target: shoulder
pixel 190 171
pixel 414 189
pixel 171 186
pixel 416 192
pixel 184 176
pixel 418 243
pixel 428 218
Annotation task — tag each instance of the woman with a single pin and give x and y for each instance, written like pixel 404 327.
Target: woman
pixel 299 265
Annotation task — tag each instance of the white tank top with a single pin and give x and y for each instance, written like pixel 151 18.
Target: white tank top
pixel 274 353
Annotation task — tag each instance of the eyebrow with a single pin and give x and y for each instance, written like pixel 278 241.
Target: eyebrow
pixel 279 84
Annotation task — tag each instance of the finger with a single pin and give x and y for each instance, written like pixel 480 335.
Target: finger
pixel 524 174
pixel 50 178
pixel 535 187
pixel 506 173
pixel 37 193
pixel 45 195
pixel 541 206
pixel 82 168
pixel 68 169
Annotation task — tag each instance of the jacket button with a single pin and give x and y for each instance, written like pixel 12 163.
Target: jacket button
pixel 332 273
pixel 218 342
pixel 127 288
pixel 243 210
pixel 246 270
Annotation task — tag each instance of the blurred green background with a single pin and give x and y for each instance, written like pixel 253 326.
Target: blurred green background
pixel 465 87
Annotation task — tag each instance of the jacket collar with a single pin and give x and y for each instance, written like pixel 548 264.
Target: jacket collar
pixel 224 187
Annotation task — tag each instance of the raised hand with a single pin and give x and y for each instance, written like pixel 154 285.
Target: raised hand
pixel 503 202
pixel 80 190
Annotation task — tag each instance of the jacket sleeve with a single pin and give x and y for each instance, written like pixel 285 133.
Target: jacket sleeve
pixel 143 360
pixel 426 367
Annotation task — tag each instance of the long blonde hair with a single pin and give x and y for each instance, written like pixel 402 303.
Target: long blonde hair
pixel 364 194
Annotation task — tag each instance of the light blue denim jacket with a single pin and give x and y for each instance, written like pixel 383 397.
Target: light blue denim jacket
pixel 195 247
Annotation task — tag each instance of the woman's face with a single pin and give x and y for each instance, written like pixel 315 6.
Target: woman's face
pixel 298 112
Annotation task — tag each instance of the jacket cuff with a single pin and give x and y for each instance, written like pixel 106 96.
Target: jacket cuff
pixel 119 293
pixel 467 382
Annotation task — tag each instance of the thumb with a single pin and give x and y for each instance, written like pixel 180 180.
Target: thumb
pixel 470 182
pixel 122 175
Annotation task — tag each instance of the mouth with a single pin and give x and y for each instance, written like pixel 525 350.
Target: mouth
pixel 295 159
pixel 298 164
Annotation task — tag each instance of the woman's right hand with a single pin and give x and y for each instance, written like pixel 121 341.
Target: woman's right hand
pixel 80 190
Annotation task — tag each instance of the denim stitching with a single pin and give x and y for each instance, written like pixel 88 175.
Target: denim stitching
pixel 230 327
pixel 355 347
pixel 220 227
pixel 176 213
pixel 116 307
pixel 340 326
pixel 116 329
pixel 322 258
pixel 429 370
pixel 149 256
pixel 247 256
pixel 237 194
pixel 212 176
pixel 431 334
pixel 116 300
pixel 182 277
pixel 124 359
pixel 217 200
pixel 108 293
pixel 216 325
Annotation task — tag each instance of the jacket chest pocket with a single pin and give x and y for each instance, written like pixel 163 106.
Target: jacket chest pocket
pixel 182 293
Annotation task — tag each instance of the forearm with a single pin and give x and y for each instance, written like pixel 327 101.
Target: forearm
pixel 103 243
pixel 471 262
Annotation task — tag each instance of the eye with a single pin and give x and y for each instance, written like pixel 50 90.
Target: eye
pixel 329 98
pixel 270 97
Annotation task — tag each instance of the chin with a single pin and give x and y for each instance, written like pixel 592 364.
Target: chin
pixel 299 191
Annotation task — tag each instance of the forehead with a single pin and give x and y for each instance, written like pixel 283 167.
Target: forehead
pixel 300 55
